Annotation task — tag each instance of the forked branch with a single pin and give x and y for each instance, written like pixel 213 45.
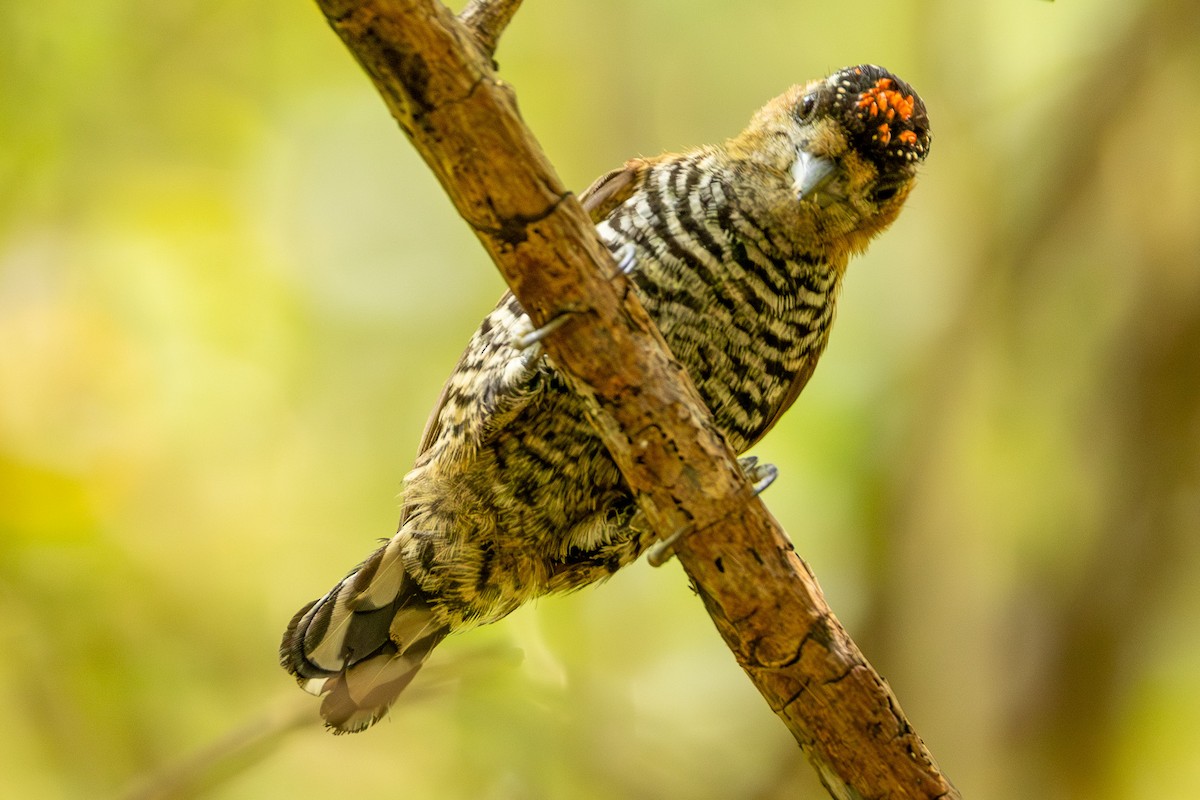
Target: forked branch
pixel 487 19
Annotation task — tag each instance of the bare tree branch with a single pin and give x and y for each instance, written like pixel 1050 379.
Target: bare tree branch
pixel 440 86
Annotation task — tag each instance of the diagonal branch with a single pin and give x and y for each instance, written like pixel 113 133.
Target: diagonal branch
pixel 435 74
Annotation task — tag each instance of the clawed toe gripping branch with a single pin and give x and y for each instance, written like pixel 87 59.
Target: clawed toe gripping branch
pixel 436 73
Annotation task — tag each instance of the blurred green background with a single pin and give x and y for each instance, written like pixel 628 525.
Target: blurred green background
pixel 229 294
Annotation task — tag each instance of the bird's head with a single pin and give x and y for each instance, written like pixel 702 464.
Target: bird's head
pixel 840 154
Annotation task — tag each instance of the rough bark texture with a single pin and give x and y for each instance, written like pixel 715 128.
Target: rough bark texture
pixel 435 72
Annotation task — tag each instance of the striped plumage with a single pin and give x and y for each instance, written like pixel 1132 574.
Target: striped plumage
pixel 748 317
pixel 737 251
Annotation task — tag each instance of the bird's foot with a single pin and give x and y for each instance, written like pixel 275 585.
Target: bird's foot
pixel 626 257
pixel 526 336
pixel 760 475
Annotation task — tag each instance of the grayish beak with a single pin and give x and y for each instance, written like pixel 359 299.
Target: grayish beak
pixel 812 174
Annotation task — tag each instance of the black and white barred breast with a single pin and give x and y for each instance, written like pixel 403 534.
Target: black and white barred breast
pixel 743 312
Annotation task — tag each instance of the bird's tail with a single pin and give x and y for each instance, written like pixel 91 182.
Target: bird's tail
pixel 362 643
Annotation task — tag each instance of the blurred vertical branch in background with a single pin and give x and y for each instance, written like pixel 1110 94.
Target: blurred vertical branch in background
pixel 1081 326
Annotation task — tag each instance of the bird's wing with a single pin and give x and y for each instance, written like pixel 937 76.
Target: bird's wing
pixel 605 194
pixel 490 351
pixel 492 382
pixel 613 188
pixel 432 426
pixel 799 381
pixel 491 376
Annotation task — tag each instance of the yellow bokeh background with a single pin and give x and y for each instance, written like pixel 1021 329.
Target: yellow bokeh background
pixel 229 294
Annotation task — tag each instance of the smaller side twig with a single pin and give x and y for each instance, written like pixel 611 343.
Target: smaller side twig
pixel 487 19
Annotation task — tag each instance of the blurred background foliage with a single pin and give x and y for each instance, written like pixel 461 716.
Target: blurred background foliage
pixel 229 293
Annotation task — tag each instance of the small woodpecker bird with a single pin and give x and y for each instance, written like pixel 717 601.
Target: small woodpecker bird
pixel 737 251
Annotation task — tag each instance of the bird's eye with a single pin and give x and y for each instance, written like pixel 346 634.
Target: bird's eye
pixel 807 104
pixel 885 193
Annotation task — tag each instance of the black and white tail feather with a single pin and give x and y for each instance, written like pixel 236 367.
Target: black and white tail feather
pixel 362 643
